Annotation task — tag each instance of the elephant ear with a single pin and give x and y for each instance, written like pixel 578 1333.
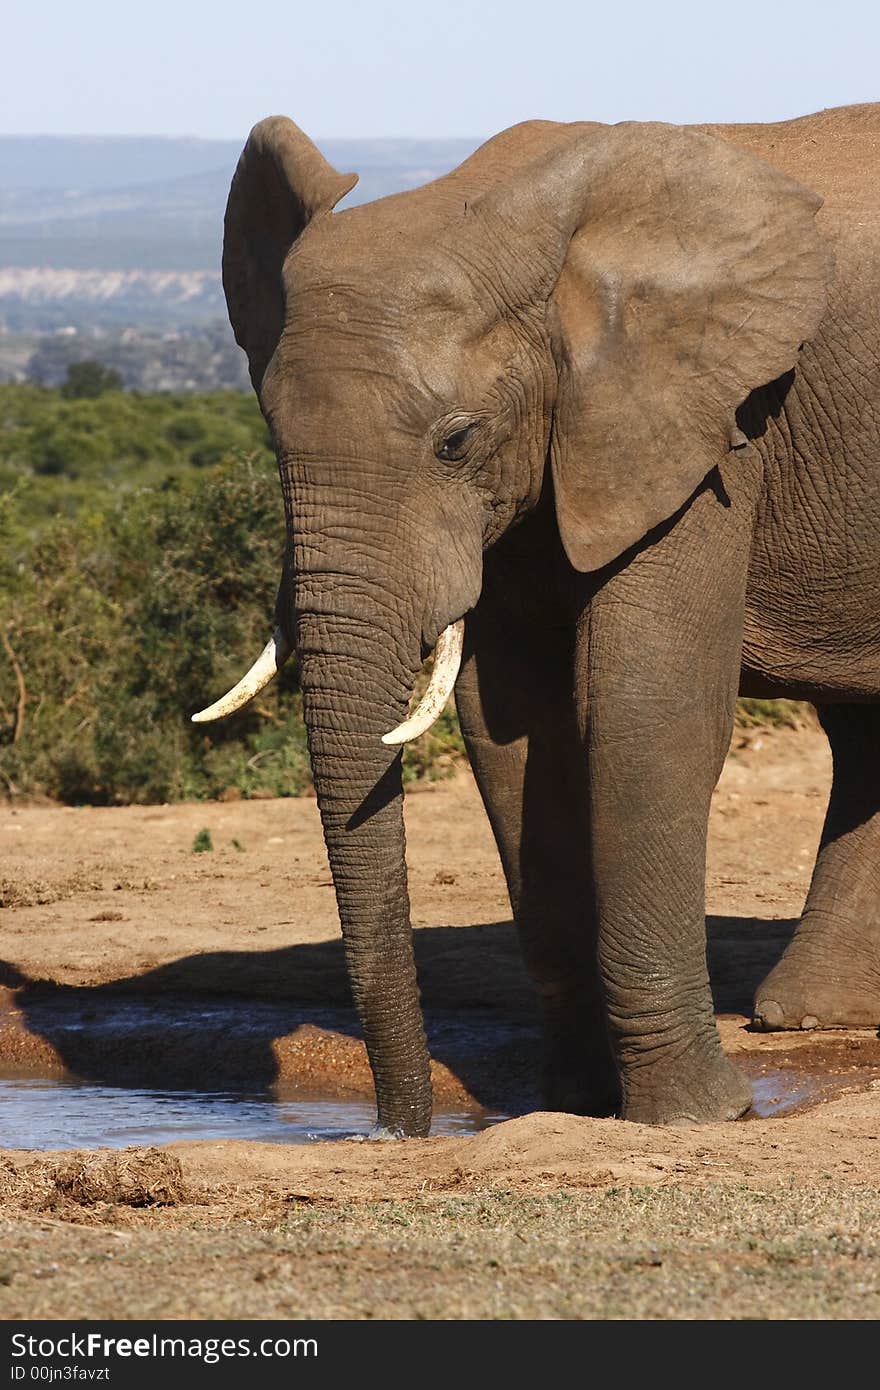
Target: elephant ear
pixel 282 181
pixel 687 274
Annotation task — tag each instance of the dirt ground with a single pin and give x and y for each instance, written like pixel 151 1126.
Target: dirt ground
pixel 540 1216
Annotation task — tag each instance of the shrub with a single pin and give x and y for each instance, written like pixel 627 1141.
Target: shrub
pixel 123 622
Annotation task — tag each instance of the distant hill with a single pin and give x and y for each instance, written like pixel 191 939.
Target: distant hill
pixel 92 162
pixel 127 203
pixel 95 162
pixel 106 234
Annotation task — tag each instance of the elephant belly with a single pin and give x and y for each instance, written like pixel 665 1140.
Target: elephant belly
pixel 812 621
pixel 812 625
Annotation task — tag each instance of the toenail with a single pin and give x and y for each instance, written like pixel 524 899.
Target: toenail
pixel 808 1021
pixel 768 1015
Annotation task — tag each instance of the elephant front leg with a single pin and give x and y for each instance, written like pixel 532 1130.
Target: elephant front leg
pixel 658 668
pixel 515 708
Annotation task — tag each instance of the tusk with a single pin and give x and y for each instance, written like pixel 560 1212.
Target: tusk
pixel 447 659
pixel 267 665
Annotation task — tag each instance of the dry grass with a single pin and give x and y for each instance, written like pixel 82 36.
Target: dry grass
pixel 719 1252
pixel 25 891
pixel 38 892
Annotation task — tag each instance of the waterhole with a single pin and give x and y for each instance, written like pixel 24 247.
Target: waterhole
pixel 63 1113
pixel 83 1068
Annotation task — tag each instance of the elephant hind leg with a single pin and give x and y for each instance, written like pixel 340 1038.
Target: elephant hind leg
pixel 829 976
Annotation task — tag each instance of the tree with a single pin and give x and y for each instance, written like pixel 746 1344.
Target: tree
pixel 89 379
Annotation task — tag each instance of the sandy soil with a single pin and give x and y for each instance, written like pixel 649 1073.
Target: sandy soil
pixel 106 902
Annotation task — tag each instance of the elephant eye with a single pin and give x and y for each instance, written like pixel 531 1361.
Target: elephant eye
pixel 454 446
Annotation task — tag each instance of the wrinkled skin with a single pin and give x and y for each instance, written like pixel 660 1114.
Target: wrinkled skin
pixel 612 393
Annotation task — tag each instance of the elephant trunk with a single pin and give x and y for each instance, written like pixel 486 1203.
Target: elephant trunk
pixel 359 647
pixel 356 680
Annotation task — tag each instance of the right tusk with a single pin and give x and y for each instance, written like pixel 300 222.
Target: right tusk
pixel 447 659
pixel 267 665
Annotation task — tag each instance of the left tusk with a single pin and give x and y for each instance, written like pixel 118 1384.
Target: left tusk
pixel 267 665
pixel 447 659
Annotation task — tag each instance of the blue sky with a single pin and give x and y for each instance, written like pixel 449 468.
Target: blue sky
pixel 445 68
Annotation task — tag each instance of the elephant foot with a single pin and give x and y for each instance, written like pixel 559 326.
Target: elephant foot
pixel 795 996
pixel 677 1094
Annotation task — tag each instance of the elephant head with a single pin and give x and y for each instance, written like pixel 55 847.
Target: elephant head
pixel 599 299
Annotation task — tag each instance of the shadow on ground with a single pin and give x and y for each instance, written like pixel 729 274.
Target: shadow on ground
pixel 249 1018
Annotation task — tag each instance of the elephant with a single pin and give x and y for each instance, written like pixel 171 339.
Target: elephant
pixel 596 416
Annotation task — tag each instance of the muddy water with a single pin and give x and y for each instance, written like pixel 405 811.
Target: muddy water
pixel 254 1046
pixel 63 1113
pixel 779 1092
pixel 84 1068
pixel 785 1082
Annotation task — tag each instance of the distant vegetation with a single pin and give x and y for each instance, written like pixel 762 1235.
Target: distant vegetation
pixel 87 379
pixel 66 453
pixel 140 548
pixel 201 359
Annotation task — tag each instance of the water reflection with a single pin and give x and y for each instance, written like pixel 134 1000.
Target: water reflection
pixel 63 1113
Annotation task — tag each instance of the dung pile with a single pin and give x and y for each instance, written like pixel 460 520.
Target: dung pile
pixel 128 1177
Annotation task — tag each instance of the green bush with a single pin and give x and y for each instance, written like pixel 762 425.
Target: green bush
pixel 435 754
pixel 67 455
pixel 122 622
pixel 73 452
pixel 137 580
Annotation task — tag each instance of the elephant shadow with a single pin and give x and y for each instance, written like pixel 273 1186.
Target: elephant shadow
pixel 215 1021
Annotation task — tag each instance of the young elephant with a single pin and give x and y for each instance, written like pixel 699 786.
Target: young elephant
pixel 600 393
